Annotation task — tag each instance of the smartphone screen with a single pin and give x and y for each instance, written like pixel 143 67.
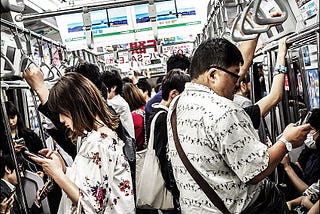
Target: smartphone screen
pixel 12 193
pixel 33 154
pixel 46 186
pixel 20 141
pixel 306 118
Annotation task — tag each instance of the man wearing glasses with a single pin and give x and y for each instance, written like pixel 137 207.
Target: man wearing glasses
pixel 218 137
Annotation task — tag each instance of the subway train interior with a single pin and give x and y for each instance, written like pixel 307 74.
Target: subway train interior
pixel 136 38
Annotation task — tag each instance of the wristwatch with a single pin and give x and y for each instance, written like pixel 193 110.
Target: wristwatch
pixel 287 143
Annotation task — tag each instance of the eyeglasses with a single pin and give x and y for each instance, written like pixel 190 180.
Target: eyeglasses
pixel 224 70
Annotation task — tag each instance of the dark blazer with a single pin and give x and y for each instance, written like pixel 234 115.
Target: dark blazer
pixel 17 206
pixel 5 193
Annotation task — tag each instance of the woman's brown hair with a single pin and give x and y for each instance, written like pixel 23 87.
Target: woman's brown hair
pixel 133 96
pixel 77 96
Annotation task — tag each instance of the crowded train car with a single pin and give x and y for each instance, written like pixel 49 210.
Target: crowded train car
pixel 160 106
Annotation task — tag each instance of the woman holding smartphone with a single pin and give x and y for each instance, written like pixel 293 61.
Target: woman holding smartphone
pixel 99 180
pixel 21 135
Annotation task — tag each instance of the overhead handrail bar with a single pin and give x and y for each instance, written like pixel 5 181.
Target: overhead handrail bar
pixel 6 23
pixel 284 7
pixel 244 18
pixel 13 85
pixel 79 9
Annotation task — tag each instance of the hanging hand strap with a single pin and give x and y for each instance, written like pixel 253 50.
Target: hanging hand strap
pixel 206 188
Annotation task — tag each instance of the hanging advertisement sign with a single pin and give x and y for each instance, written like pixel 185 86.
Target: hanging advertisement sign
pixel 132 23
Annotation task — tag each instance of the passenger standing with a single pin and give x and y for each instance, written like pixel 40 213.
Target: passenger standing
pixel 114 84
pixel 180 61
pixel 145 88
pixel 136 101
pixel 218 137
pixel 172 85
pixel 99 180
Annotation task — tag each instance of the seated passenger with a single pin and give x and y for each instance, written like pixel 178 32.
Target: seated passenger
pixel 309 198
pixel 8 185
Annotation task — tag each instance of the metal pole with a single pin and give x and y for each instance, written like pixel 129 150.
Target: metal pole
pixel 7 131
pixel 79 9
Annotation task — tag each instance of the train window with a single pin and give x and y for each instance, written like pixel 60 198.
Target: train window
pixel 10 54
pixel 312 82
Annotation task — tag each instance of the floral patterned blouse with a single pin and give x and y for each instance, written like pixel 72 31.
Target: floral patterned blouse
pixel 102 174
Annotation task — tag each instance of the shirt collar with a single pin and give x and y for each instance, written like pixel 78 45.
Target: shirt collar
pixel 190 86
pixel 10 185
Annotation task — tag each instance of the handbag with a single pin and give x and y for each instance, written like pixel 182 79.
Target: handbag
pixel 151 192
pixel 270 200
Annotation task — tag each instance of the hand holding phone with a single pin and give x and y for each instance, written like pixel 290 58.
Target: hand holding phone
pixel 28 153
pixel 20 141
pixel 12 193
pixel 45 189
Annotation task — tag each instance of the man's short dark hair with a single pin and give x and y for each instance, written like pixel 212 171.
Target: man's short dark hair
pixel 180 61
pixel 6 161
pixel 175 79
pixel 219 52
pixel 112 78
pixel 90 71
pixel 144 86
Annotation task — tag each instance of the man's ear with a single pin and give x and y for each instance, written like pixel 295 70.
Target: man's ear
pixel 173 93
pixel 211 74
pixel 113 88
pixel 243 86
pixel 7 170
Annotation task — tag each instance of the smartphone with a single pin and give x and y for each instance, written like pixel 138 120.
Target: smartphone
pixel 12 193
pixel 304 120
pixel 46 186
pixel 28 153
pixel 20 141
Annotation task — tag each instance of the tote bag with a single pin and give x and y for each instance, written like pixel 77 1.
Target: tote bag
pixel 150 186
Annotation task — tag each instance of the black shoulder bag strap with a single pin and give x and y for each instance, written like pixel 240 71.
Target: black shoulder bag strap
pixel 206 188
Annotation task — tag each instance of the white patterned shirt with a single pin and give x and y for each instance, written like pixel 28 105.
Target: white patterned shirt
pixel 221 143
pixel 102 173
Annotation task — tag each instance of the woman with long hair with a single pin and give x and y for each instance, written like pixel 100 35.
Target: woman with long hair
pixel 136 101
pixel 99 179
pixel 20 131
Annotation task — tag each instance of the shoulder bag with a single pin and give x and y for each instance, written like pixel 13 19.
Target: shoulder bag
pixel 151 192
pixel 206 188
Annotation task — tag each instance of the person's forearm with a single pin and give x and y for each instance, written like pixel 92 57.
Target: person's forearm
pixel 276 153
pixel 247 49
pixel 43 94
pixel 274 97
pixel 315 208
pixel 68 187
pixel 295 180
